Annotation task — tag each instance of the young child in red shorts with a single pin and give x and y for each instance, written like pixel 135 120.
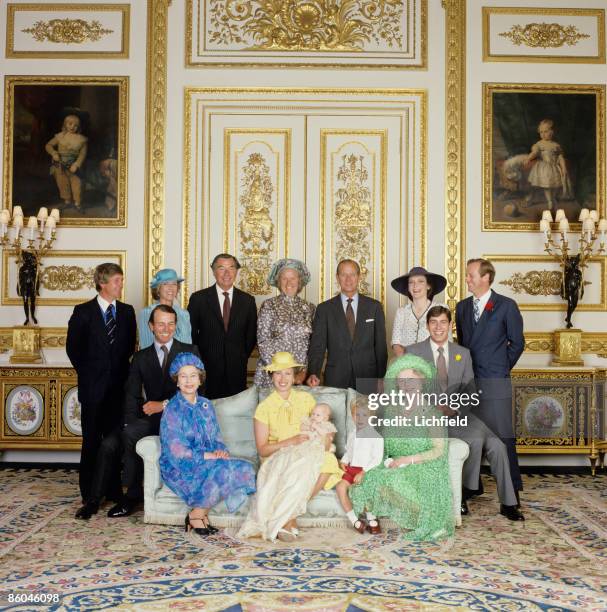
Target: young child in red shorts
pixel 364 450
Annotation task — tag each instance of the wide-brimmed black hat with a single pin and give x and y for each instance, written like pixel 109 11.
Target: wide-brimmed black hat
pixel 436 281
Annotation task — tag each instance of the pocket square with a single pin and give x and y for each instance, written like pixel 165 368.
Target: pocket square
pixel 369 320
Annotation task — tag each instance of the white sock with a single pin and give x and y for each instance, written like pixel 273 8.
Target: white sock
pixel 352 516
pixel 371 516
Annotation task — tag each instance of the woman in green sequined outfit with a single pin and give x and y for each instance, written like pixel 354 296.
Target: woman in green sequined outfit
pixel 412 486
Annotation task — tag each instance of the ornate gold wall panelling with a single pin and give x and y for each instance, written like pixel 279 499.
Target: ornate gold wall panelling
pixel 309 108
pixel 593 343
pixel 50 337
pixel 455 160
pixel 62 276
pixel 288 33
pixel 155 121
pixel 538 34
pixel 74 31
pixel 510 278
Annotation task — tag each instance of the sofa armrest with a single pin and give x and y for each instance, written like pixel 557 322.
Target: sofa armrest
pixel 458 453
pixel 148 449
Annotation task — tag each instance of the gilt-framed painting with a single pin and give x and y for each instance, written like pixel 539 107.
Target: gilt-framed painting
pixel 543 148
pixel 65 147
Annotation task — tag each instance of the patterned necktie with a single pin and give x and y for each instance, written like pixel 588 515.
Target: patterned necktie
pixel 165 358
pixel 350 321
pixel 226 310
pixel 441 368
pixel 110 323
pixel 477 309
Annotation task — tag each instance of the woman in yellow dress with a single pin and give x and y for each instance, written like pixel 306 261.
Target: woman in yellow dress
pixel 294 469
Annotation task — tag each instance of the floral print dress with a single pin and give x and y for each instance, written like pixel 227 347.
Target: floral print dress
pixel 187 431
pixel 284 324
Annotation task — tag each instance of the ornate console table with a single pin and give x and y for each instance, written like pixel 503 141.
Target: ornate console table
pixel 560 411
pixel 40 407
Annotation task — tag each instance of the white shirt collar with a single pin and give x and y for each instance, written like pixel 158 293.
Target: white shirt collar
pixel 434 347
pixel 168 344
pixel 483 299
pixel 220 291
pixel 104 303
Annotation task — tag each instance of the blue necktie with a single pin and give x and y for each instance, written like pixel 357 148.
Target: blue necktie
pixel 110 323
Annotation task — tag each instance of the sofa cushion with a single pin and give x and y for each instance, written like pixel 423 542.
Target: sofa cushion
pixel 235 416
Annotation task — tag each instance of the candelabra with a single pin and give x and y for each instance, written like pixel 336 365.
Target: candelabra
pixel 569 341
pixel 28 244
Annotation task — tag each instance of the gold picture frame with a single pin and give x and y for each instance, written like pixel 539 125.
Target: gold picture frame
pixel 36 110
pixel 69 29
pixel 556 37
pixel 64 278
pixel 516 188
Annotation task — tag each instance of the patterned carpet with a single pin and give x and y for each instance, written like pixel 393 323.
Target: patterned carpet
pixel 555 560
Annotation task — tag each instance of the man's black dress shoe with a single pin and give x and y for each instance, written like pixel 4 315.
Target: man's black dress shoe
pixel 512 513
pixel 464 509
pixel 126 507
pixel 87 510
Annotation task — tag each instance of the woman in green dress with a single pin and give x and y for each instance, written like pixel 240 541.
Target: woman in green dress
pixel 412 486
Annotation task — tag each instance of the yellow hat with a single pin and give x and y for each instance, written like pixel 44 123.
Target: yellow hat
pixel 282 361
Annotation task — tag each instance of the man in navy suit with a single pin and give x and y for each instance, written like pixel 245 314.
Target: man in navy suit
pixel 491 327
pixel 351 330
pixel 101 337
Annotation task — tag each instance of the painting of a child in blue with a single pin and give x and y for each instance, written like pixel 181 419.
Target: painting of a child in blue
pixel 188 431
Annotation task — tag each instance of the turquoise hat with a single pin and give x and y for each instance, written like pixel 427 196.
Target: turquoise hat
pixel 166 275
pixel 185 359
pixel 288 262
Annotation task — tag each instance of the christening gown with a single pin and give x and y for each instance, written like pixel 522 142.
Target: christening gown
pixel 187 431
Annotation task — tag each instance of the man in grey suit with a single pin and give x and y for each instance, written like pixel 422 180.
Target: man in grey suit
pixel 455 377
pixel 351 329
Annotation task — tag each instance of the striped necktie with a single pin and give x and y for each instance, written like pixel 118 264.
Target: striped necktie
pixel 477 310
pixel 110 323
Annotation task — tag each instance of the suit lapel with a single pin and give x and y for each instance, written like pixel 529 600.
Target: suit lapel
pixel 478 328
pixel 362 313
pixel 340 317
pixel 453 367
pixel 213 300
pixel 98 320
pixel 152 359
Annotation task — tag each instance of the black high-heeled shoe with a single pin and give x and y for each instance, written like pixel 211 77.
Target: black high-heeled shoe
pixel 201 531
pixel 208 525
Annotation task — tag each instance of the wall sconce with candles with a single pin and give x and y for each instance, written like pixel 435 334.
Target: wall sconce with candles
pixel 28 244
pixel 568 341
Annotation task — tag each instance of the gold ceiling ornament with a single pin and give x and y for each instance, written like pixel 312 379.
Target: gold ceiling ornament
pixel 544 35
pixel 353 216
pixel 67 31
pixel 256 227
pixel 311 25
pixel 535 282
pixel 67 278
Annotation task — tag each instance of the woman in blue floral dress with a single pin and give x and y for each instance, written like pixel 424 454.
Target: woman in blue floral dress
pixel 194 461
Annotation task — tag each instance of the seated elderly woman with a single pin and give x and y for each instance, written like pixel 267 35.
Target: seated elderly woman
pixel 412 485
pixel 165 287
pixel 285 321
pixel 284 487
pixel 194 461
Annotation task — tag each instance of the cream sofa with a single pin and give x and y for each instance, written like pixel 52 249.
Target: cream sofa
pixel 235 415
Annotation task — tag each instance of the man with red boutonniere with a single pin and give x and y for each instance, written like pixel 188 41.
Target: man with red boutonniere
pixel 490 325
